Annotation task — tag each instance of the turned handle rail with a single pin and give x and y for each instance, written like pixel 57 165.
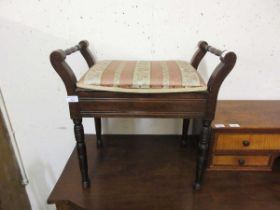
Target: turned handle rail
pixel 203 48
pixel 204 45
pixel 214 50
pixel 60 55
pixel 71 50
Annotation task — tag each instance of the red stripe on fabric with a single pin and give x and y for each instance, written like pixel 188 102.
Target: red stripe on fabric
pixel 175 76
pixel 126 78
pixel 107 78
pixel 156 80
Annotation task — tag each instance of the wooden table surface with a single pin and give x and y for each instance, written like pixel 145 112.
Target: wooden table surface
pixel 154 173
pixel 248 114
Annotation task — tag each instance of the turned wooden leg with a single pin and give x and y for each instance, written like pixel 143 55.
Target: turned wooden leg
pixel 185 129
pixel 81 149
pixel 99 142
pixel 202 154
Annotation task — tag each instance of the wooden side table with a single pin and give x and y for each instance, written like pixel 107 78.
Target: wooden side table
pixel 129 176
pixel 245 135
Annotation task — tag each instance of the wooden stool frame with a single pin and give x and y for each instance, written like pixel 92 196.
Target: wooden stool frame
pixel 99 104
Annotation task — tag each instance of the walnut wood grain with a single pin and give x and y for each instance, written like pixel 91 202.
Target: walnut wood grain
pixel 161 107
pixel 251 115
pixel 154 173
pixel 264 141
pixel 241 160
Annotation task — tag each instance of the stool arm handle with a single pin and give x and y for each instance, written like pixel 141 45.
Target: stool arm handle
pixel 227 58
pixel 203 48
pixel 204 45
pixel 65 72
pixel 227 62
pixel 221 71
pixel 58 62
pixel 82 46
pixel 199 54
pixel 86 53
pixel 216 79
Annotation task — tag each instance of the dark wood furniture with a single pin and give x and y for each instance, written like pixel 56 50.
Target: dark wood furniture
pixel 153 173
pixel 254 145
pixel 99 104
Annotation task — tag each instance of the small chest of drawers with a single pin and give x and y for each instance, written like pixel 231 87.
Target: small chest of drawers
pixel 245 135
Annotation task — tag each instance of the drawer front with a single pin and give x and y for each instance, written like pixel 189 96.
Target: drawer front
pixel 241 160
pixel 143 107
pixel 248 142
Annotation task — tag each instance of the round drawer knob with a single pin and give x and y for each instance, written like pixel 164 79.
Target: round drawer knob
pixel 241 162
pixel 246 143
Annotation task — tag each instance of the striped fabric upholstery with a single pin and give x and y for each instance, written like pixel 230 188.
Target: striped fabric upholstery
pixel 142 77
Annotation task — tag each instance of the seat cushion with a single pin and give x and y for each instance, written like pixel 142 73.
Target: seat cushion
pixel 142 77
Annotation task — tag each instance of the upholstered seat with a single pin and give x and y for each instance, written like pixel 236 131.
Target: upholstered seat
pixel 142 77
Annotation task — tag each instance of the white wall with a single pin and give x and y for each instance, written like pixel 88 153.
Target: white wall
pixel 136 29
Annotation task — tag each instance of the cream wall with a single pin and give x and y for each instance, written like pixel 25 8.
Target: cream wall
pixel 143 29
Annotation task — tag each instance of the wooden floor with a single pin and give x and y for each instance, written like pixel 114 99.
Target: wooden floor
pixel 154 173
